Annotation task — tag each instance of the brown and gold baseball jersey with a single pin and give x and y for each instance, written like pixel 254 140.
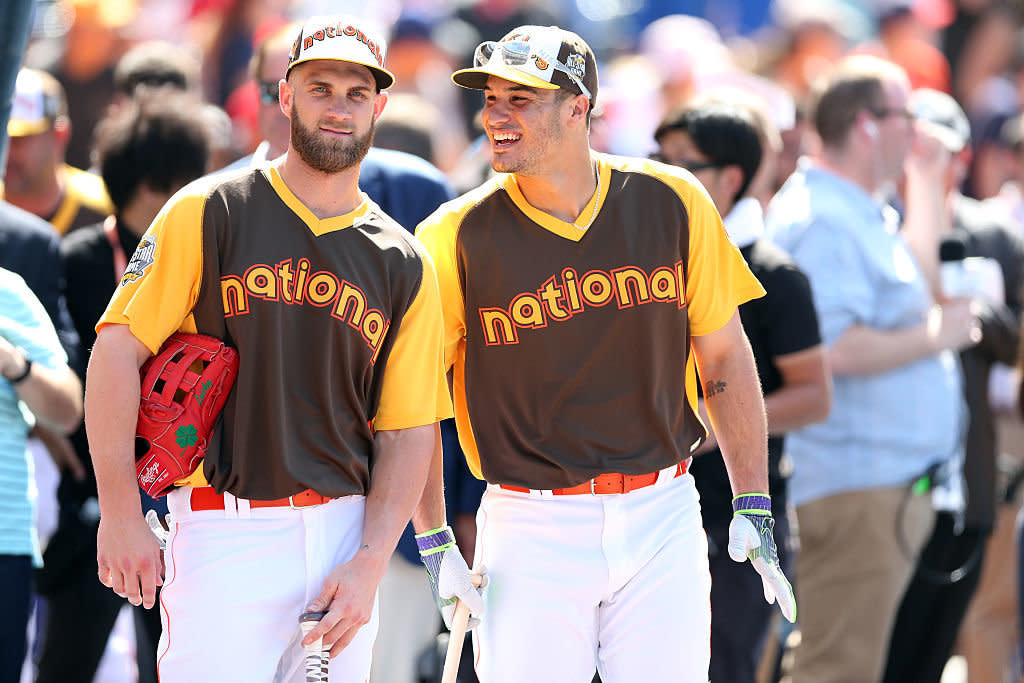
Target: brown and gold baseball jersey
pixel 85 200
pixel 571 347
pixel 337 323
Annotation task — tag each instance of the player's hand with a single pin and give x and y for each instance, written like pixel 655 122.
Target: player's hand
pixel 347 597
pixel 450 578
pixel 750 537
pixel 128 558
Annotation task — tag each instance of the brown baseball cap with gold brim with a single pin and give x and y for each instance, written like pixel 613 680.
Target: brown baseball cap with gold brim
pixel 546 57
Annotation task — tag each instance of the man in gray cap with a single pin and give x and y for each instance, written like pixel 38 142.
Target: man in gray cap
pixel 972 241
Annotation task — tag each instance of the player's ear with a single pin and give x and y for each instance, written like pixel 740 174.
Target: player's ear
pixel 285 94
pixel 378 105
pixel 580 107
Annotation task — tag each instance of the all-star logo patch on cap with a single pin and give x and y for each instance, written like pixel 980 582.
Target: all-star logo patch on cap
pixel 344 39
pixel 545 57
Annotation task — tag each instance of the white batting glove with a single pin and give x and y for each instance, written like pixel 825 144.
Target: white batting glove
pixel 450 578
pixel 750 538
pixel 158 529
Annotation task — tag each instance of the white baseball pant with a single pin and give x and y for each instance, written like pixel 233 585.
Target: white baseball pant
pixel 618 581
pixel 236 582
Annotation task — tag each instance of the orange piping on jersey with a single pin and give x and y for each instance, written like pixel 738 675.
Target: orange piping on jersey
pixel 572 290
pixel 300 280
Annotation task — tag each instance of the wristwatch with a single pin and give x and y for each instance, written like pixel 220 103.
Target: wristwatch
pixel 23 375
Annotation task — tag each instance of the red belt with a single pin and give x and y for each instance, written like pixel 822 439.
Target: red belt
pixel 610 482
pixel 205 498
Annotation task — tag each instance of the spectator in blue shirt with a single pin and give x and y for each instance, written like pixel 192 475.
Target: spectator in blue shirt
pixel 897 405
pixel 36 384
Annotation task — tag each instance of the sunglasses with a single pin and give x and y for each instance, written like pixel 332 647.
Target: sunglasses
pixel 268 92
pixel 517 53
pixel 887 112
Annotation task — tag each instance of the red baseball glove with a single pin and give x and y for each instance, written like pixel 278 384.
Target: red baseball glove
pixel 184 387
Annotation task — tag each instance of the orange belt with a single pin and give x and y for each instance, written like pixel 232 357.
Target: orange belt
pixel 205 498
pixel 608 483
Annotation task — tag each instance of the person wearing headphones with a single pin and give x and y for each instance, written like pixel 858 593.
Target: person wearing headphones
pixel 897 406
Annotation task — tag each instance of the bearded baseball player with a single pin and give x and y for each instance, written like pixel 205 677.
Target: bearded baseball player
pixel 581 295
pixel 326 439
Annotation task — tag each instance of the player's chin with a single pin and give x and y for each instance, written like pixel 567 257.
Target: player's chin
pixel 502 164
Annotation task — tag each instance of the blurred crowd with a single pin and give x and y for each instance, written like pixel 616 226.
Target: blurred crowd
pixel 651 61
pixel 122 102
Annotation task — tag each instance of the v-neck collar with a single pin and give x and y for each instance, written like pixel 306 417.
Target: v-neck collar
pixel 318 226
pixel 571 231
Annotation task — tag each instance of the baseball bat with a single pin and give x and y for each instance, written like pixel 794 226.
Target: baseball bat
pixel 317 658
pixel 456 637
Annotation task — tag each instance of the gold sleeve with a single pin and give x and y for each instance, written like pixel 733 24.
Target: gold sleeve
pixel 415 389
pixel 161 285
pixel 439 239
pixel 718 278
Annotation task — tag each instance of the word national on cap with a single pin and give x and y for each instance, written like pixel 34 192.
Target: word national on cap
pixel 342 30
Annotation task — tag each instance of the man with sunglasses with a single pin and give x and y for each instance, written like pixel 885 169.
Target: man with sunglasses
pixel 721 142
pixel 580 293
pixel 897 409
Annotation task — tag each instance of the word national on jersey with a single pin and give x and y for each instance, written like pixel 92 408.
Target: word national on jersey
pixel 560 300
pixel 299 287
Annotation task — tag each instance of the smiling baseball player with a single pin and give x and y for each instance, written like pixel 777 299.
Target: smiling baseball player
pixel 580 292
pixel 330 430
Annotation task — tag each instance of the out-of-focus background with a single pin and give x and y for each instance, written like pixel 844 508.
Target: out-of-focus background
pixel 653 56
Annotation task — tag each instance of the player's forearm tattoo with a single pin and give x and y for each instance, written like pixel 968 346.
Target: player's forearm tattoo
pixel 713 387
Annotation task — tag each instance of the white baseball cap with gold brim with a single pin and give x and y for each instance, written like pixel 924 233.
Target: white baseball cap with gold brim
pixel 38 102
pixel 345 39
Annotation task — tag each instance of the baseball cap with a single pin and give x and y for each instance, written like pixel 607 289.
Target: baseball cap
pixel 344 39
pixel 38 101
pixel 545 57
pixel 947 120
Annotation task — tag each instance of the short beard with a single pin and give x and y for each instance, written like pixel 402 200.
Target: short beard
pixel 327 156
pixel 549 137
